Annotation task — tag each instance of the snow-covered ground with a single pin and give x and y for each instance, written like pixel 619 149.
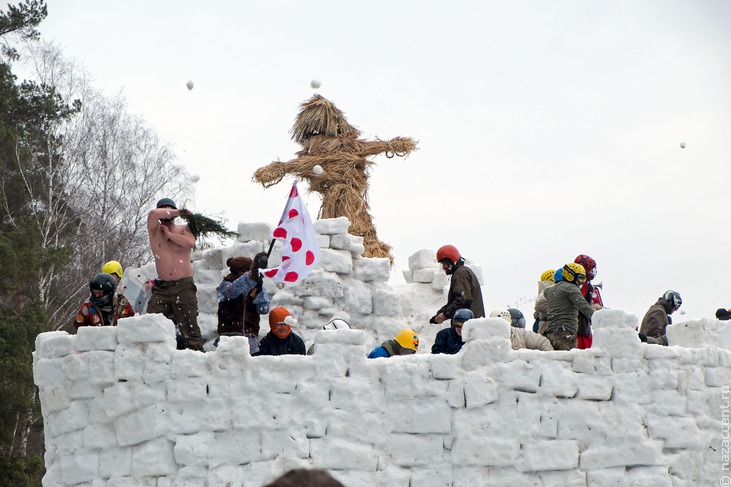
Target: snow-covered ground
pixel 122 407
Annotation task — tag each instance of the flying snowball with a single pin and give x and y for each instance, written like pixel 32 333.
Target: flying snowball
pixel 315 83
pixel 194 178
pixel 682 145
pixel 189 84
pixel 318 169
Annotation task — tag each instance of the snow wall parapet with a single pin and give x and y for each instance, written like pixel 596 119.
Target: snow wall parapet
pixel 122 407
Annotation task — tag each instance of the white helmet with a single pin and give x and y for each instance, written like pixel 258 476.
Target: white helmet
pixel 502 313
pixel 337 324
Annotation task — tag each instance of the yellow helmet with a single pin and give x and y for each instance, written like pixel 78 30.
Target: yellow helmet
pixel 407 338
pixel 548 275
pixel 113 267
pixel 574 272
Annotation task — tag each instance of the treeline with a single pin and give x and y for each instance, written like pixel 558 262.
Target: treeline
pixel 78 174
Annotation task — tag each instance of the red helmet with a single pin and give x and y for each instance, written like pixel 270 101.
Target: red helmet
pixel 589 265
pixel 448 252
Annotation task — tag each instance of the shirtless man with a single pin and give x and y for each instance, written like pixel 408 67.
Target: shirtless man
pixel 174 293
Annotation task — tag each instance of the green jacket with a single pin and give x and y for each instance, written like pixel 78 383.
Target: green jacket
pixel 464 292
pixel 565 302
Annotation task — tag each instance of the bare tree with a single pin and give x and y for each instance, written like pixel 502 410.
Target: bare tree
pixel 114 169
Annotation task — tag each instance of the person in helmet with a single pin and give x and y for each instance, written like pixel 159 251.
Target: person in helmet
pixel 242 299
pixel 519 336
pixel 541 304
pixel 334 324
pixel 565 302
pixel 516 318
pixel 103 307
pixel 174 292
pixel 464 288
pixel 449 340
pixel 657 318
pixel 405 343
pixel 114 269
pixel 593 297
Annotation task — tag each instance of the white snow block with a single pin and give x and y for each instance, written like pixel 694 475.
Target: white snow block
pixel 323 241
pixel 549 455
pixel 724 334
pixel 358 298
pixel 440 282
pixel 386 302
pixel 292 443
pixel 519 375
pixel 332 226
pixel 433 416
pixel 718 376
pixel 115 462
pixel 342 337
pixel 212 260
pixel 344 241
pixel 677 432
pixel 423 259
pixel 99 436
pixel 97 337
pixel 146 328
pixel 372 269
pixel 57 345
pixel 129 362
pixel 317 302
pixel 320 283
pixel 40 343
pixel 412 450
pixel 613 318
pixel 55 398
pixel 158 358
pixel 338 261
pixel 101 367
pixel 423 275
pixel 141 425
pixel 226 476
pixel 473 449
pixel 558 381
pixel 74 418
pixel 618 342
pixel 480 328
pixel 617 453
pixel 696 334
pixel 336 453
pixel 479 389
pixel 408 276
pixel 445 366
pixel 254 231
pixel 76 366
pixel 49 373
pixel 76 469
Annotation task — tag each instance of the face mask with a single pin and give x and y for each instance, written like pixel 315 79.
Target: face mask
pixel 282 330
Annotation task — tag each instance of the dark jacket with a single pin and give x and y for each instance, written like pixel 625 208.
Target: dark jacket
pixel 447 341
pixel 656 319
pixel 464 292
pixel 565 302
pixel 271 344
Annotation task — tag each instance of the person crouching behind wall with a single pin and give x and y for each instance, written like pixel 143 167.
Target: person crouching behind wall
pixel 449 340
pixel 281 340
pixel 405 343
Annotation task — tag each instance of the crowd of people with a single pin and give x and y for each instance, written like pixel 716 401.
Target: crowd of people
pixel 566 301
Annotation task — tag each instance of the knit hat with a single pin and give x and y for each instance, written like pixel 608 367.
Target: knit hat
pixel 239 265
pixel 722 314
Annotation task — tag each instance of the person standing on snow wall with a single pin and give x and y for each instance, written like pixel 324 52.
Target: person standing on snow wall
pixel 174 293
pixel 464 288
pixel 593 297
pixel 565 302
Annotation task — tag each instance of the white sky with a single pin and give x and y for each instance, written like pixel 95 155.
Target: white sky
pixel 546 129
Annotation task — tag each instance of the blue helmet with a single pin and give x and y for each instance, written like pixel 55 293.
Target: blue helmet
pixel 558 275
pixel 462 315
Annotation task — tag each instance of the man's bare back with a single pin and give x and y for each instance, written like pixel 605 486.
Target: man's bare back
pixel 171 245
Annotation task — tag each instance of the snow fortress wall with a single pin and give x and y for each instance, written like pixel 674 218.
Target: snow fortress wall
pixel 123 408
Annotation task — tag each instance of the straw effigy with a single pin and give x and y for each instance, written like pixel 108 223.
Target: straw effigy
pixel 329 141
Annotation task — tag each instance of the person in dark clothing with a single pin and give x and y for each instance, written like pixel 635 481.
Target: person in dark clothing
pixel 657 318
pixel 280 340
pixel 723 314
pixel 449 340
pixel 565 302
pixel 464 288
pixel 241 299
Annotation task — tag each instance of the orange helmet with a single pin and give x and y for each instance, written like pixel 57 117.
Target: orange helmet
pixel 449 252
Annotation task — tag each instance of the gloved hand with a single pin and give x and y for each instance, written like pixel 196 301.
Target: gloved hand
pixel 643 338
pixel 433 319
pixel 260 262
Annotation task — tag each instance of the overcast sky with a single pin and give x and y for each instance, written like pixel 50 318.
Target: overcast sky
pixel 545 129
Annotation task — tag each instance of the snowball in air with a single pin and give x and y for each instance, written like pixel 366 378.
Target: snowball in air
pixel 317 169
pixel 194 178
pixel 189 84
pixel 682 145
pixel 315 83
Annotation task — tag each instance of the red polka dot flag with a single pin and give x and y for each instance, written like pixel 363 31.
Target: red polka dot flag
pixel 300 253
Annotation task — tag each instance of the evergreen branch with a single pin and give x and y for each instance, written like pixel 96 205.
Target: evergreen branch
pixel 202 226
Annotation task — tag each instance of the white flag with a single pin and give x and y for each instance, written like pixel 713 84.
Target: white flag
pixel 300 253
